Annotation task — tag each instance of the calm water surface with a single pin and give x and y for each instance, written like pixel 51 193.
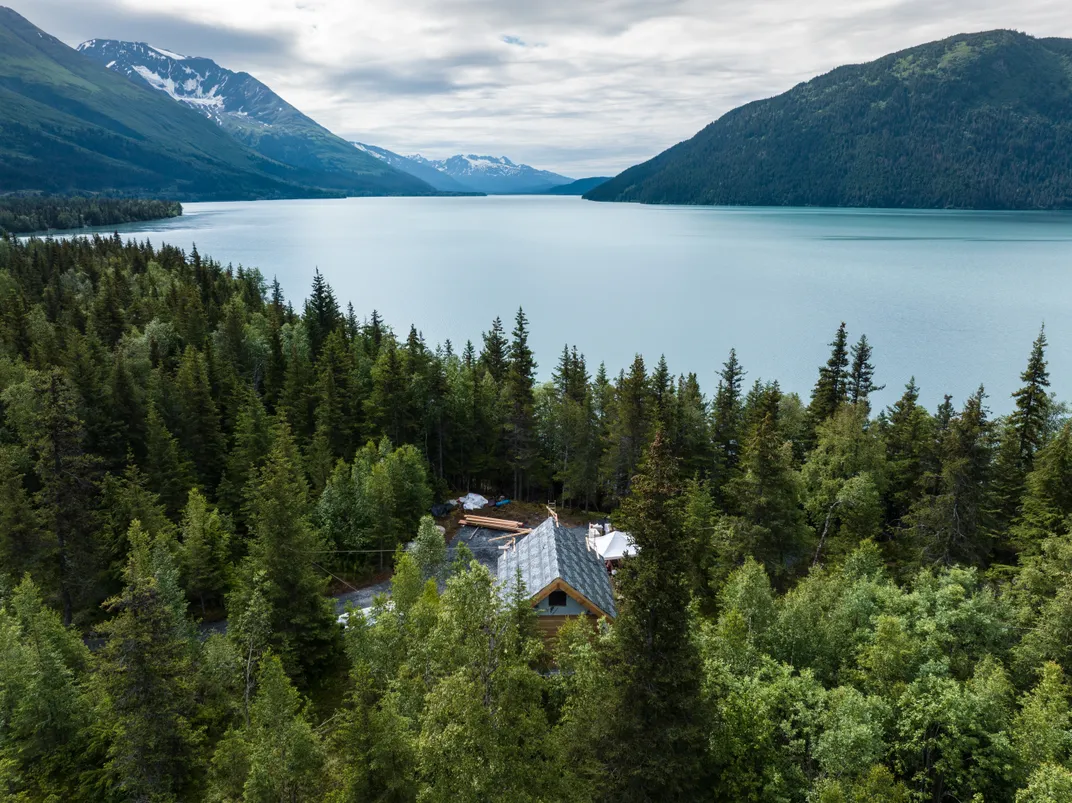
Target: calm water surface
pixel 954 298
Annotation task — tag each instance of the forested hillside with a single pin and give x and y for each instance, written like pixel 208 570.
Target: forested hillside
pixel 830 602
pixel 978 121
pixel 24 215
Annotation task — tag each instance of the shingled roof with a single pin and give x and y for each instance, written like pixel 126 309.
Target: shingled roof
pixel 552 552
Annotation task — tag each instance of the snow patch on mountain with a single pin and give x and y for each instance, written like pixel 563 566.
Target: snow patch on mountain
pixel 191 91
pixel 168 54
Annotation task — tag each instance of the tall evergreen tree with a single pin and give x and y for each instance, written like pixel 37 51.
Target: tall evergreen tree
pixel 1047 502
pixel 629 427
pixel 169 471
pixel 495 354
pixel 198 430
pixel 44 411
pixel 278 755
pixel 1023 434
pixel 657 742
pixel 909 432
pixel 692 435
pixel 766 496
pixel 953 524
pixel 519 397
pixel 45 705
pixel 727 420
pixel 250 448
pixel 321 313
pixel 1032 414
pixel 832 388
pixel 205 555
pixel 662 396
pixel 24 546
pixel 146 676
pixel 861 379
pixel 285 548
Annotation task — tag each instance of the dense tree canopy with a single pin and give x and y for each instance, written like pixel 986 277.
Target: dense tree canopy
pixel 25 214
pixel 830 603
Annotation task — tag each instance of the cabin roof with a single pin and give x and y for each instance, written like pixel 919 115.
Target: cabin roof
pixel 552 552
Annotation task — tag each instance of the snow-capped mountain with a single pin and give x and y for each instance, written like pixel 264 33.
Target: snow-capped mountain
pixel 424 170
pixel 495 175
pixel 253 114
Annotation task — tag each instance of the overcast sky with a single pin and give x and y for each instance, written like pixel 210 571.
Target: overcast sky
pixel 584 87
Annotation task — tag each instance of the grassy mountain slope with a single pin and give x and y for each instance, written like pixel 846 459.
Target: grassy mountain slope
pixel 69 125
pixel 256 116
pixel 979 121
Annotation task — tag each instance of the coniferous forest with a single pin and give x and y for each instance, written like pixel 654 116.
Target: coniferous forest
pixel 28 214
pixel 831 603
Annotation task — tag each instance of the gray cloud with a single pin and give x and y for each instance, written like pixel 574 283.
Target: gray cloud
pixel 75 21
pixel 582 88
pixel 423 76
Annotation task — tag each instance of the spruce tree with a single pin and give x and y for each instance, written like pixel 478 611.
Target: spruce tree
pixel 1022 436
pixel 24 546
pixel 252 443
pixel 278 755
pixel 375 332
pixel 861 379
pixel 1031 417
pixel 832 388
pixel 169 471
pixel 662 394
pixel 44 411
pixel 1047 501
pixel 954 523
pixel 692 436
pixel 205 554
pixel 727 420
pixel 46 708
pixel 766 496
pixel 198 430
pixel 519 396
pixel 494 356
pixel 286 549
pixel 909 432
pixel 629 426
pixel 321 313
pixel 657 744
pixel 147 678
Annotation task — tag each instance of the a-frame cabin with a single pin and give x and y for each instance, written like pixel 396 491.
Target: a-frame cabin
pixel 564 577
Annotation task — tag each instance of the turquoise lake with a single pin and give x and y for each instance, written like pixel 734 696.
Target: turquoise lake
pixel 954 298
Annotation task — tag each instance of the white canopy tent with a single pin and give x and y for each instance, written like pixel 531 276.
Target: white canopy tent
pixel 614 546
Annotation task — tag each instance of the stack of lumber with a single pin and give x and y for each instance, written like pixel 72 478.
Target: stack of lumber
pixel 488 523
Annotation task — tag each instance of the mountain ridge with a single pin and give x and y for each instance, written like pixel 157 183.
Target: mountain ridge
pixel 426 172
pixel 71 126
pixel 253 114
pixel 974 121
pixel 492 175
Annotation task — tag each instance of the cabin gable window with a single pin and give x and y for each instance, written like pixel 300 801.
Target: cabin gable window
pixel 557 599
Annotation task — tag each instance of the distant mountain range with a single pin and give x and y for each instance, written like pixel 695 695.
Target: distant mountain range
pixel 980 121
pixel 254 115
pixel 420 169
pixel 494 175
